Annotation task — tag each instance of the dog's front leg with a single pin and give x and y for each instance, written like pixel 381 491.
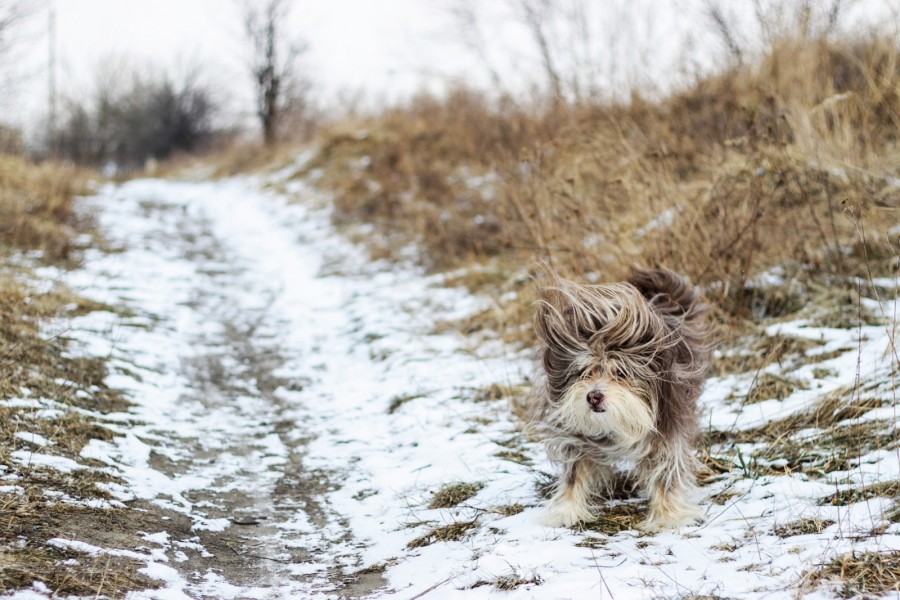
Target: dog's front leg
pixel 669 477
pixel 573 496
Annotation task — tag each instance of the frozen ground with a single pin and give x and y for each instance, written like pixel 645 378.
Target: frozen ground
pixel 297 406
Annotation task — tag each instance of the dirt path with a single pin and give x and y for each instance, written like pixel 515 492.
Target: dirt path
pixel 242 512
pixel 234 379
pixel 296 406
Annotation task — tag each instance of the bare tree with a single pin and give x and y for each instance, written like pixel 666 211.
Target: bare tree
pixel 725 29
pixel 12 14
pixel 273 62
pixel 774 19
pixel 537 14
pixel 581 48
pixel 465 14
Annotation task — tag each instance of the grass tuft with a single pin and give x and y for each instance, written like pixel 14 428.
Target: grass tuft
pixel 516 456
pixel 802 527
pixel 454 493
pixel 512 581
pixel 772 387
pixel 618 517
pixel 446 533
pixel 508 510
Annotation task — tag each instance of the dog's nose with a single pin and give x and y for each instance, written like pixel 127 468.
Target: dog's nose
pixel 595 401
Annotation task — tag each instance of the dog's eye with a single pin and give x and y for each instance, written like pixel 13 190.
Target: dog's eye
pixel 619 373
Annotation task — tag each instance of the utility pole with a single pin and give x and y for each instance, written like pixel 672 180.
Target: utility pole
pixel 51 84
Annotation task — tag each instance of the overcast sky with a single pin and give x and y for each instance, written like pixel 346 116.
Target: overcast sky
pixel 386 49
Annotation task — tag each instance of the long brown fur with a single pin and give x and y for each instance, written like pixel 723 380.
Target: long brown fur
pixel 644 346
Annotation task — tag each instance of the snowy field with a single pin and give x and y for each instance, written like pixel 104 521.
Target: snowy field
pixel 300 405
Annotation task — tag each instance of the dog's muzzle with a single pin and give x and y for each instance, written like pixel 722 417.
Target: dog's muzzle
pixel 595 401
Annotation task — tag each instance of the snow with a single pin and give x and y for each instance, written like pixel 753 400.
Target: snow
pixel 34 439
pixel 207 266
pixel 36 459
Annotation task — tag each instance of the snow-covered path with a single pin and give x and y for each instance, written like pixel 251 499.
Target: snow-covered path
pixel 265 385
pixel 296 407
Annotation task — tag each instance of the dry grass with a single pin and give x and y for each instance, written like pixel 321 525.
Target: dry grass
pixel 508 510
pixel 885 489
pixel 780 167
pixel 38 217
pixel 756 350
pixel 858 573
pixel 453 532
pixel 516 456
pixel 768 386
pixel 36 211
pixel 514 580
pixel 616 517
pixel 399 400
pixel 29 522
pixel 802 527
pixel 36 361
pixel 593 543
pixel 839 406
pixel 425 173
pixel 509 582
pixel 454 493
pixel 828 437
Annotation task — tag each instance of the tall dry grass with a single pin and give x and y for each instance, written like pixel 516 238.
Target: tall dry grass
pixel 427 173
pixel 36 210
pixel 784 164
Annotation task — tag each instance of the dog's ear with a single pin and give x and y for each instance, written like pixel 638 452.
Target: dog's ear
pixel 667 291
pixel 557 321
pixel 553 315
pixel 555 324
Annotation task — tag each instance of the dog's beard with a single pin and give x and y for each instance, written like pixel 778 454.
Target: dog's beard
pixel 625 417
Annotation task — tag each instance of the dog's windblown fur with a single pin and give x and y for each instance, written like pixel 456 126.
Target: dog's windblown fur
pixel 624 363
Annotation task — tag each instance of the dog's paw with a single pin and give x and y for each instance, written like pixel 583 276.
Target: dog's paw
pixel 563 513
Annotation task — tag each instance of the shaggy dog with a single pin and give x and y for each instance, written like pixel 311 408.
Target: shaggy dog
pixel 625 363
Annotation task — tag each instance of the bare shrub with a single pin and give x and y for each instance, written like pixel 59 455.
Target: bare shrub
pixel 147 116
pixel 771 22
pixel 13 13
pixel 14 16
pixel 580 50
